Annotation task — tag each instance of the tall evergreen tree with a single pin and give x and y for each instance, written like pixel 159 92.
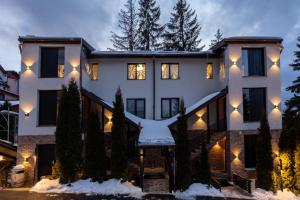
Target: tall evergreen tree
pixel 61 137
pixel 203 174
pixel 264 159
pixel 183 154
pixel 218 38
pixel 183 29
pixel 119 165
pixel 95 150
pixel 148 27
pixel 128 25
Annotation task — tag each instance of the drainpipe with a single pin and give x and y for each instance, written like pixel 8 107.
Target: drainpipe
pixel 153 92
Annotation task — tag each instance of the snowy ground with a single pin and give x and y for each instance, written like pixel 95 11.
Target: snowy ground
pixel 197 189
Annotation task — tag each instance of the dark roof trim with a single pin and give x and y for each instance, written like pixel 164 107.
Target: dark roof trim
pixel 151 54
pixel 10 93
pixel 246 40
pixel 220 95
pixel 97 99
pixel 55 40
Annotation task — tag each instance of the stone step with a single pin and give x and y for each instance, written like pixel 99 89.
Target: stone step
pixel 156 185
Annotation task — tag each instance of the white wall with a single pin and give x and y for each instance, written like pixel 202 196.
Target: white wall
pixel 30 84
pixel 237 82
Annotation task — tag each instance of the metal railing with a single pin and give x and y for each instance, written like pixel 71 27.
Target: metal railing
pixel 242 182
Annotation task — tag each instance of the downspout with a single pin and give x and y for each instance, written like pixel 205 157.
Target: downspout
pixel 153 88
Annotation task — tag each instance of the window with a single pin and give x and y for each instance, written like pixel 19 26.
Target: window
pixel 253 62
pixel 222 71
pixel 136 107
pixel 47 107
pixel 95 69
pixel 254 102
pixel 136 71
pixel 249 145
pixel 169 107
pixel 209 71
pixel 170 71
pixel 52 62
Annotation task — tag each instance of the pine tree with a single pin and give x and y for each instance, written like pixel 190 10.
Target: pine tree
pixel 148 27
pixel 119 165
pixel 218 38
pixel 61 135
pixel 183 154
pixel 74 132
pixel 295 88
pixel 128 25
pixel 264 160
pixel 95 150
pixel 203 174
pixel 183 29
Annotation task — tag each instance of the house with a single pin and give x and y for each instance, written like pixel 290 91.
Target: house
pixel 9 84
pixel 225 90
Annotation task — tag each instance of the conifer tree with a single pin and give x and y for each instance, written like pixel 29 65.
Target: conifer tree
pixel 95 150
pixel 203 174
pixel 183 29
pixel 218 38
pixel 119 165
pixel 149 30
pixel 128 25
pixel 183 154
pixel 264 160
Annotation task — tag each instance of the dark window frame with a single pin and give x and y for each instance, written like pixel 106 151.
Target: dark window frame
pixel 136 79
pixel 170 106
pixel 264 62
pixel 41 75
pixel 265 104
pixel 250 153
pixel 135 106
pixel 39 108
pixel 169 65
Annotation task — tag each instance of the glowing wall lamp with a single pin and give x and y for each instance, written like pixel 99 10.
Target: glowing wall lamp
pixel 1 158
pixel 74 69
pixel 235 108
pixel 234 62
pixel 26 114
pixel 276 107
pixel 28 67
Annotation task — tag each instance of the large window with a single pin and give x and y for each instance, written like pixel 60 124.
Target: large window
pixel 136 71
pixel 169 107
pixel 209 71
pixel 95 71
pixel 253 61
pixel 47 107
pixel 52 62
pixel 249 145
pixel 254 103
pixel 136 107
pixel 170 71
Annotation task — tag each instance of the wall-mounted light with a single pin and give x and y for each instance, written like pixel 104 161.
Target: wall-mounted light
pixel 1 158
pixel 276 107
pixel 28 67
pixel 235 108
pixel 234 62
pixel 26 114
pixel 74 69
pixel 26 160
pixel 109 119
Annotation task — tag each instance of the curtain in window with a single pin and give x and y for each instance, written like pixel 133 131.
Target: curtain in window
pixel 256 62
pixel 49 62
pixel 257 103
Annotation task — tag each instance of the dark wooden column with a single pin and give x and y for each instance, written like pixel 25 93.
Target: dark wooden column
pixel 208 124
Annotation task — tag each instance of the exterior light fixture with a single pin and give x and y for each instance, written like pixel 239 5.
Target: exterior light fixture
pixel 234 62
pixel 27 67
pixel 27 159
pixel 26 114
pixel 74 69
pixel 235 108
pixel 275 63
pixel 1 158
pixel 276 107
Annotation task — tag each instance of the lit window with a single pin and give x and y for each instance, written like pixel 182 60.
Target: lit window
pixel 209 71
pixel 61 71
pixel 95 69
pixel 170 71
pixel 136 71
pixel 222 71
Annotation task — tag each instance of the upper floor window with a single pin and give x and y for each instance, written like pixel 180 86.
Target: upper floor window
pixel 209 71
pixel 169 107
pixel 250 158
pixel 95 71
pixel 253 62
pixel 170 71
pixel 136 107
pixel 52 62
pixel 136 71
pixel 254 103
pixel 48 107
pixel 222 71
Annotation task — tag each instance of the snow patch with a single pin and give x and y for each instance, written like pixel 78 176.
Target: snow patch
pixel 109 187
pixel 198 189
pixel 280 195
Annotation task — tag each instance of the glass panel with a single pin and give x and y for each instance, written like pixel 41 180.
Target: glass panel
pixel 131 106
pixel 47 107
pixel 165 71
pixel 245 62
pixel 254 102
pixel 165 108
pixel 61 70
pixel 209 71
pixel 174 106
pixel 95 69
pixel 131 70
pixel 250 158
pixel 141 71
pixel 174 71
pixel 140 108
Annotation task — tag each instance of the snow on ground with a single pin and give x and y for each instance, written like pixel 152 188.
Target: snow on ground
pixel 109 187
pixel 198 189
pixel 280 195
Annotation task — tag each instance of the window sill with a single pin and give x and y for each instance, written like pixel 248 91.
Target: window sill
pixel 250 169
pixel 45 126
pixel 256 76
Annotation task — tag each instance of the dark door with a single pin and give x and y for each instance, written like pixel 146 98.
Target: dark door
pixel 46 156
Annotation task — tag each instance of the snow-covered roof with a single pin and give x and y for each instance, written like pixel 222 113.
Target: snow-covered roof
pixel 12 102
pixel 10 112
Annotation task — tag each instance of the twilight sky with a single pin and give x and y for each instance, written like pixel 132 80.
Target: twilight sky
pixel 94 19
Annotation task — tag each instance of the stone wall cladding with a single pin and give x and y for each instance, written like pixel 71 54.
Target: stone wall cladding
pixel 27 149
pixel 235 153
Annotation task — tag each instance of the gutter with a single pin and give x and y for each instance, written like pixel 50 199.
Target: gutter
pixel 153 88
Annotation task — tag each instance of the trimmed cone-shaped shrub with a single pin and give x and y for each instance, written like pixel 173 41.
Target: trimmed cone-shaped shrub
pixel 119 163
pixel 203 174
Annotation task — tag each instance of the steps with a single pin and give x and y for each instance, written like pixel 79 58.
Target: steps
pixel 160 185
